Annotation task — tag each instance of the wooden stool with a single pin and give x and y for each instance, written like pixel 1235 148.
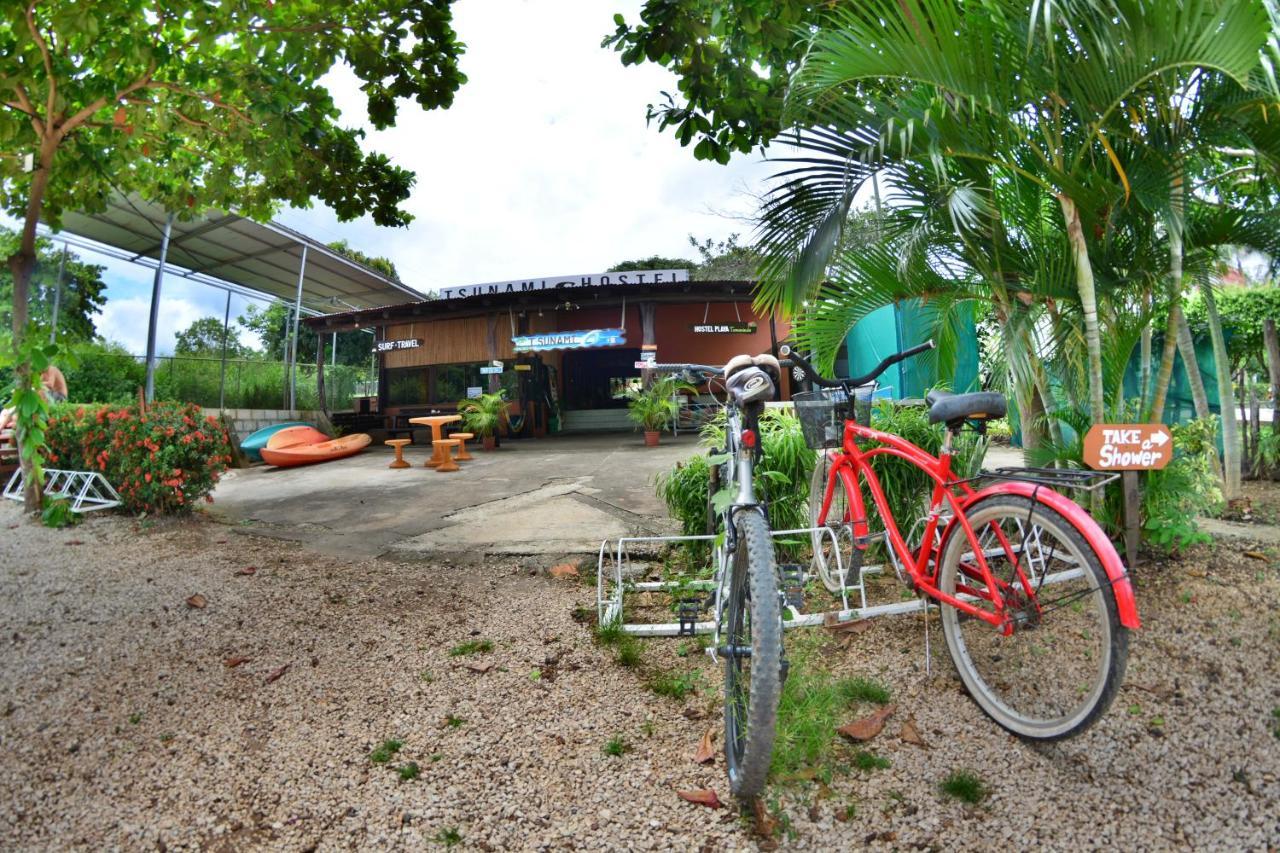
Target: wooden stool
pixel 462 454
pixel 398 444
pixel 445 446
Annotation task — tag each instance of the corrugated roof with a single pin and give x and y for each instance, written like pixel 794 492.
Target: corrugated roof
pixel 262 257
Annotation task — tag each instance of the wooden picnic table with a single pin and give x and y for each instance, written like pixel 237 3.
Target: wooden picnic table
pixel 436 422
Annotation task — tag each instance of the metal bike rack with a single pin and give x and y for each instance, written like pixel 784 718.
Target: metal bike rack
pixel 615 562
pixel 86 490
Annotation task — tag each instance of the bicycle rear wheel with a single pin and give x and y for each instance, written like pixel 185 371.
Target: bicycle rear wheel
pixel 752 654
pixel 1061 665
pixel 825 545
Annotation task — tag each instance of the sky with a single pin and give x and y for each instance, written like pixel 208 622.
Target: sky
pixel 543 166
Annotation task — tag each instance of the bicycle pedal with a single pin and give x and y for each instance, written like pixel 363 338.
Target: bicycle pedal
pixel 792 585
pixel 688 611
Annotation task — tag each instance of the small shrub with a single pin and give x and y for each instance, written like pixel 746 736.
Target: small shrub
pixel 675 685
pixel 963 785
pixel 471 647
pixel 629 652
pixel 865 760
pixel 453 722
pixel 57 513
pixel 449 837
pixel 409 771
pixel 385 751
pixel 162 461
pixel 610 634
pixel 616 746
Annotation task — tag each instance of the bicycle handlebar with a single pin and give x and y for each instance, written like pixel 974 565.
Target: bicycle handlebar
pixel 674 366
pixel 803 363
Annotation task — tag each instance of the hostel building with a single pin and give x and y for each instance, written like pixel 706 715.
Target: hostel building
pixel 564 348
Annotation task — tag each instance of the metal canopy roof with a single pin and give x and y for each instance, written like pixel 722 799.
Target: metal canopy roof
pixel 256 256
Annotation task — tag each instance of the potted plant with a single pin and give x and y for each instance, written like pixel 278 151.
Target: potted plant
pixel 655 407
pixel 483 415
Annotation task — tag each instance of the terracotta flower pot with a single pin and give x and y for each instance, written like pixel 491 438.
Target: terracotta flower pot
pixel 651 437
pixel 490 442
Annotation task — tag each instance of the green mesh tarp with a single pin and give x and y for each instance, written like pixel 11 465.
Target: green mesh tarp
pixel 894 328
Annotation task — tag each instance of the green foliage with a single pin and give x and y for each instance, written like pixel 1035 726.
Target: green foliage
pixel 672 683
pixel 654 408
pixel 965 786
pixel 273 326
pixel 162 461
pixel 83 290
pixel 866 760
pixel 732 60
pixel 385 751
pixel 782 474
pixel 813 704
pixel 1242 311
pixel 25 364
pixel 57 513
pixel 104 372
pixel 616 747
pixel 205 337
pixel 449 837
pixel 378 264
pixel 725 260
pixel 471 647
pixel 483 415
pixel 907 488
pixel 655 262
pixel 628 651
pixel 409 772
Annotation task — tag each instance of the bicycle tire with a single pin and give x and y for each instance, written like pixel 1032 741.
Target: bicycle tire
pixel 1083 612
pixel 822 546
pixel 750 715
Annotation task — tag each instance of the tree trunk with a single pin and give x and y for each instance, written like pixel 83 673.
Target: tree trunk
pixel 1144 356
pixel 1226 400
pixel 1092 332
pixel 1170 349
pixel 22 264
pixel 1255 431
pixel 1272 341
pixel 1187 349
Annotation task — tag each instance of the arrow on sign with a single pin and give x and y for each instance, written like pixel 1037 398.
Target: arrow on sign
pixel 1159 439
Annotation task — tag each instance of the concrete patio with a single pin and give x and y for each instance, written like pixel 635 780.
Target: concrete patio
pixel 545 497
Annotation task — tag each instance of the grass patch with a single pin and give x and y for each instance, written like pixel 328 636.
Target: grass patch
pixel 409 771
pixel 1275 722
pixel 609 634
pixel 628 651
pixel 471 647
pixel 449 836
pixel 864 760
pixel 673 684
pixel 134 719
pixel 453 722
pixel 616 746
pixel 963 785
pixel 813 705
pixel 385 751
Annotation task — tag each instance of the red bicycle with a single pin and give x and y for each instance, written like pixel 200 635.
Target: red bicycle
pixel 1035 603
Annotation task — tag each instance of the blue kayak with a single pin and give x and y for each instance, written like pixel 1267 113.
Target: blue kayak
pixel 253 444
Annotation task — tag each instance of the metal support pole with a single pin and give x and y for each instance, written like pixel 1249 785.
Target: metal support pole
pixel 293 350
pixel 156 283
pixel 222 381
pixel 333 357
pixel 57 295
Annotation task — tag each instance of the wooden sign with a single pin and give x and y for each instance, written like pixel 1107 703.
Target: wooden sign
pixel 738 328
pixel 388 346
pixel 1128 447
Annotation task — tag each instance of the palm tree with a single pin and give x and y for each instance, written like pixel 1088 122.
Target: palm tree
pixel 985 96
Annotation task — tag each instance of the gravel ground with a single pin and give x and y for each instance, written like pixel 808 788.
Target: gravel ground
pixel 124 727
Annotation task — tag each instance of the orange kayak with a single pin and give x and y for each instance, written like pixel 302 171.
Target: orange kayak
pixel 304 445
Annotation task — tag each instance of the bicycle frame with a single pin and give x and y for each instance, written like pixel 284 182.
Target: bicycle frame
pixel 852 465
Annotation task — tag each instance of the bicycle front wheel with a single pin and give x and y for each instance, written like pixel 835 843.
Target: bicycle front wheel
pixel 837 538
pixel 752 654
pixel 1058 669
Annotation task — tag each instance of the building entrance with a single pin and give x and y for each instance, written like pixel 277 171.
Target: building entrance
pixel 598 379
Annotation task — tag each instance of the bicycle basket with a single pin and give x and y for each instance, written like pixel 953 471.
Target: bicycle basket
pixel 822 413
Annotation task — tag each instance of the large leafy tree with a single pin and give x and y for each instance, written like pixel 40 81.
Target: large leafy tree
pixel 732 59
pixel 204 337
pixel 80 297
pixel 274 325
pixel 373 262
pixel 194 104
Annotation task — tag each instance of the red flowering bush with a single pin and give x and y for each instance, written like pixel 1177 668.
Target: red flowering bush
pixel 163 461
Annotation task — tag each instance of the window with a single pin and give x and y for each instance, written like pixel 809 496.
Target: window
pixel 407 386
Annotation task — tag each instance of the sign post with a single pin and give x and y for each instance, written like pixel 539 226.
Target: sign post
pixel 1129 448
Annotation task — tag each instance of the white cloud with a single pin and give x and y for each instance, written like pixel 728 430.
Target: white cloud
pixel 125 320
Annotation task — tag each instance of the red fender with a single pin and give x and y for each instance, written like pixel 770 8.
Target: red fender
pixel 1087 527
